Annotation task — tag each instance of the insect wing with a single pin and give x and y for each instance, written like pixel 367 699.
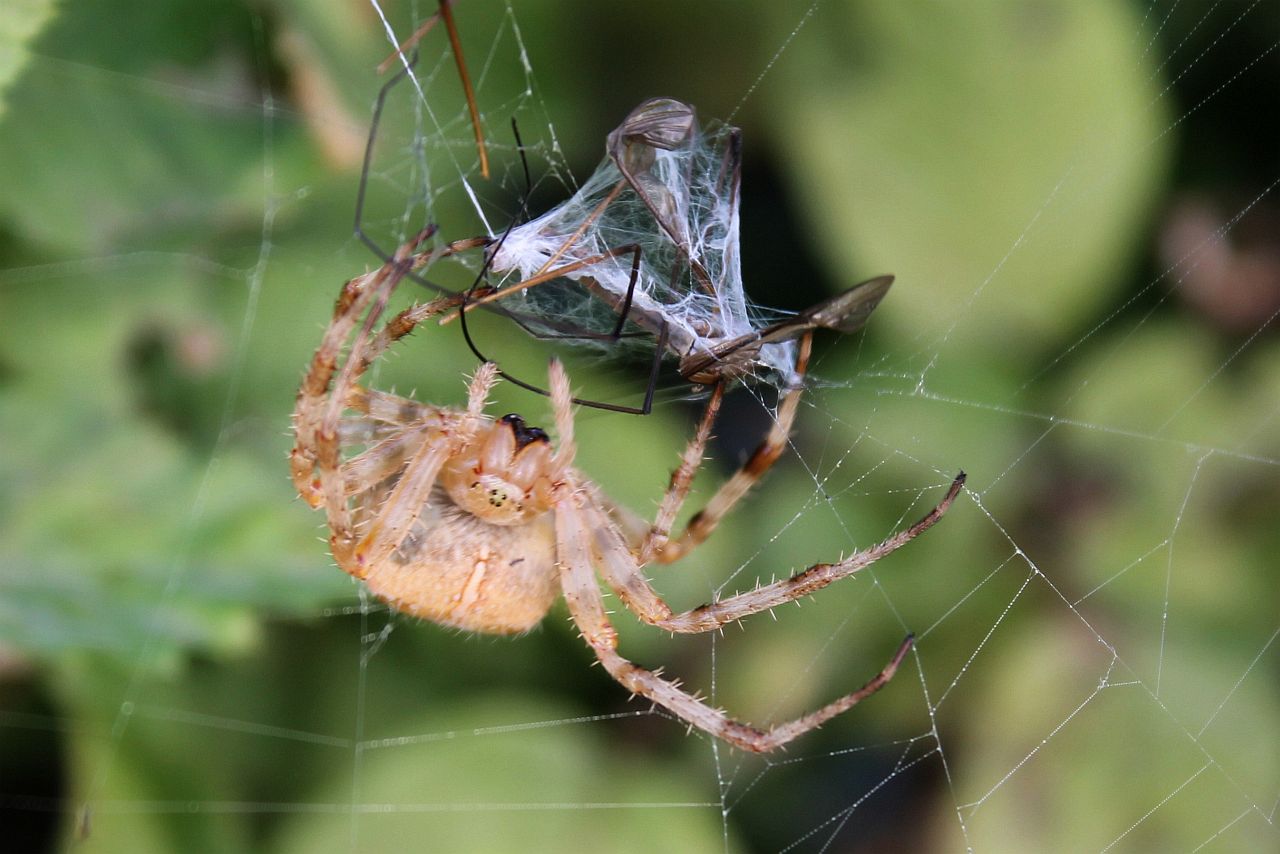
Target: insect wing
pixel 657 123
pixel 845 312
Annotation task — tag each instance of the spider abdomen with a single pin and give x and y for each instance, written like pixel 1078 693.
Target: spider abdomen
pixel 458 570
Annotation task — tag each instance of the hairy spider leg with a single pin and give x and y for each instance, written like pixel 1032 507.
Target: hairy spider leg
pixel 681 479
pixel 354 299
pixel 656 547
pixel 403 504
pixel 621 570
pixel 585 536
pixel 321 476
pixel 624 576
pixel 657 544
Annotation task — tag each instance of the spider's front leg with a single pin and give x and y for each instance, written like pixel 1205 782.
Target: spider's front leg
pixel 315 414
pixel 387 530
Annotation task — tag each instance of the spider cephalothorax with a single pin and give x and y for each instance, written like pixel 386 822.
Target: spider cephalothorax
pixel 452 516
pixel 506 476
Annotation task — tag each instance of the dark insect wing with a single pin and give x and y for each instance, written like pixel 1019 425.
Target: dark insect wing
pixel 845 312
pixel 657 123
pixel 668 125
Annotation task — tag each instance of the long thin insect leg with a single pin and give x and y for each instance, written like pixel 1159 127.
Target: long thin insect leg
pixel 447 15
pixel 469 298
pixel 363 187
pixel 650 389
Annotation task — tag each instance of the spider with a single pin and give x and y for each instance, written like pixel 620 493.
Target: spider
pixel 479 523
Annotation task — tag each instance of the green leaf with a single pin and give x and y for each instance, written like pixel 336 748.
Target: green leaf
pixel 22 21
pixel 125 527
pixel 471 791
pixel 998 157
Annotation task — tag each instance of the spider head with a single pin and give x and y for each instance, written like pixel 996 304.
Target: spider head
pixel 505 475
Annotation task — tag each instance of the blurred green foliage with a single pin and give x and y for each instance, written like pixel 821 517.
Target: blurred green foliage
pixel 178 653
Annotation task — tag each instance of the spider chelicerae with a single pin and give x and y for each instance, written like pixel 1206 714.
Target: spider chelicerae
pixel 480 523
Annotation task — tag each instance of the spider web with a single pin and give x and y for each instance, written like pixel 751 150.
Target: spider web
pixel 1095 618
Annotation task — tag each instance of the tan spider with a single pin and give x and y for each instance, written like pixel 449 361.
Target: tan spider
pixel 478 523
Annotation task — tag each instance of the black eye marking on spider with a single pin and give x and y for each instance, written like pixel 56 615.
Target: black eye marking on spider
pixel 524 434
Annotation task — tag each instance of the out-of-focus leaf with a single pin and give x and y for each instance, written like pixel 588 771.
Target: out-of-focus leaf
pixel 533 790
pixel 160 153
pixel 157 128
pixel 997 157
pixel 118 531
pixel 1181 528
pixel 22 20
pixel 140 781
pixel 1021 791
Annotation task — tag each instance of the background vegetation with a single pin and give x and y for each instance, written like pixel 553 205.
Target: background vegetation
pixel 1080 321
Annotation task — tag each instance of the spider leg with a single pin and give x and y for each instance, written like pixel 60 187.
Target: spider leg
pixel 656 546
pixel 404 503
pixel 562 411
pixel 389 408
pixel 586 605
pixel 384 459
pixel 622 570
pixel 401 325
pixel 310 408
pixel 388 529
pixel 657 537
pixel 316 461
pixel 316 412
pixel 551 274
pixel 356 297
pixel 716 614
pixel 325 433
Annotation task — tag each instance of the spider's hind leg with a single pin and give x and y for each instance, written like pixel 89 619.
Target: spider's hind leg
pixel 586 605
